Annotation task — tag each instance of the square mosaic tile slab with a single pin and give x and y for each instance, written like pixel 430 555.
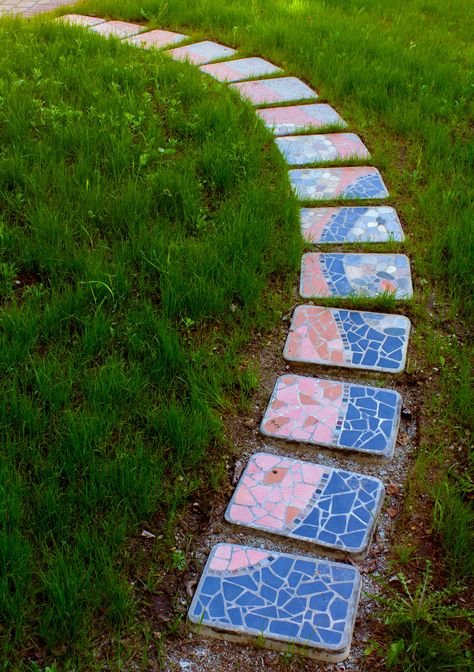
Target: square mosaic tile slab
pixel 350 338
pixel 293 602
pixel 300 150
pixel 351 225
pixel 80 20
pixel 243 68
pixel 278 90
pixel 333 508
pixel 202 52
pixel 156 39
pixel 120 29
pixel 324 184
pixel 334 414
pixel 295 118
pixel 338 274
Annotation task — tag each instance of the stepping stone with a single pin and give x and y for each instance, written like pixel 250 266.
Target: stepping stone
pixel 370 275
pixel 120 29
pixel 350 338
pixel 202 52
pixel 80 20
pixel 243 68
pixel 283 601
pixel 309 502
pixel 278 90
pixel 334 414
pixel 351 225
pixel 156 39
pixel 294 118
pixel 324 184
pixel 304 149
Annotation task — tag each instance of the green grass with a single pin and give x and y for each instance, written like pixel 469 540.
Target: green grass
pixel 143 211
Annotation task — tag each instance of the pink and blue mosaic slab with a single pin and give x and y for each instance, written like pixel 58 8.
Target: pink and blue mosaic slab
pixel 350 274
pixel 156 39
pixel 377 224
pixel 332 508
pixel 283 600
pixel 334 414
pixel 323 184
pixel 80 20
pixel 300 150
pixel 202 52
pixel 297 118
pixel 350 338
pixel 278 90
pixel 243 68
pixel 120 29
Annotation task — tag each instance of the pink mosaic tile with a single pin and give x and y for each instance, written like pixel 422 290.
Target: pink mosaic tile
pixel 202 52
pixel 156 39
pixel 301 150
pixel 297 118
pixel 276 90
pixel 319 184
pixel 80 20
pixel 243 68
pixel 120 29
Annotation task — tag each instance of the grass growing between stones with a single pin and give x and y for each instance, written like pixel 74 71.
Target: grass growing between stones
pixel 142 214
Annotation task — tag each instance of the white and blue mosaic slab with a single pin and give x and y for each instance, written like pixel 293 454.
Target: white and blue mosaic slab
pixel 325 184
pixel 377 224
pixel 285 601
pixel 297 118
pixel 276 90
pixel 301 150
pixel 242 68
pixel 200 53
pixel 332 508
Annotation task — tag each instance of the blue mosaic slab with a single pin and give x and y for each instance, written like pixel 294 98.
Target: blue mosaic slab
pixel 302 150
pixel 242 68
pixel 377 224
pixel 202 52
pixel 328 274
pixel 281 600
pixel 324 184
pixel 277 90
pixel 334 414
pixel 297 118
pixel 332 508
pixel 350 338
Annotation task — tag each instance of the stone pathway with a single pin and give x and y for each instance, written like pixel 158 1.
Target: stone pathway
pixel 278 599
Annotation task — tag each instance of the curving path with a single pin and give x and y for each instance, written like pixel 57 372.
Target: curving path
pixel 302 599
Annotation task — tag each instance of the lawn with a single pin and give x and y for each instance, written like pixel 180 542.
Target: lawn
pixel 124 341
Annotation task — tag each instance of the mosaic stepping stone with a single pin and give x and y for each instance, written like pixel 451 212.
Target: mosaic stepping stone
pixel 279 599
pixel 294 118
pixel 370 275
pixel 243 68
pixel 120 29
pixel 304 149
pixel 351 225
pixel 320 184
pixel 333 508
pixel 156 39
pixel 80 20
pixel 334 414
pixel 278 90
pixel 350 338
pixel 202 52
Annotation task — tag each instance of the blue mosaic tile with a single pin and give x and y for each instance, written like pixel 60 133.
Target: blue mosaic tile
pixel 335 414
pixel 350 338
pixel 301 150
pixel 323 184
pixel 200 53
pixel 276 90
pixel 308 603
pixel 377 224
pixel 297 118
pixel 242 68
pixel 307 501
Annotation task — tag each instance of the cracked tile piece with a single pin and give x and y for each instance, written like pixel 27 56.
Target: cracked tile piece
pixel 300 150
pixel 277 90
pixel 120 29
pixel 325 184
pixel 297 118
pixel 80 20
pixel 156 39
pixel 332 508
pixel 202 52
pixel 278 599
pixel 349 338
pixel 243 68
pixel 350 274
pixel 377 224
pixel 334 414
